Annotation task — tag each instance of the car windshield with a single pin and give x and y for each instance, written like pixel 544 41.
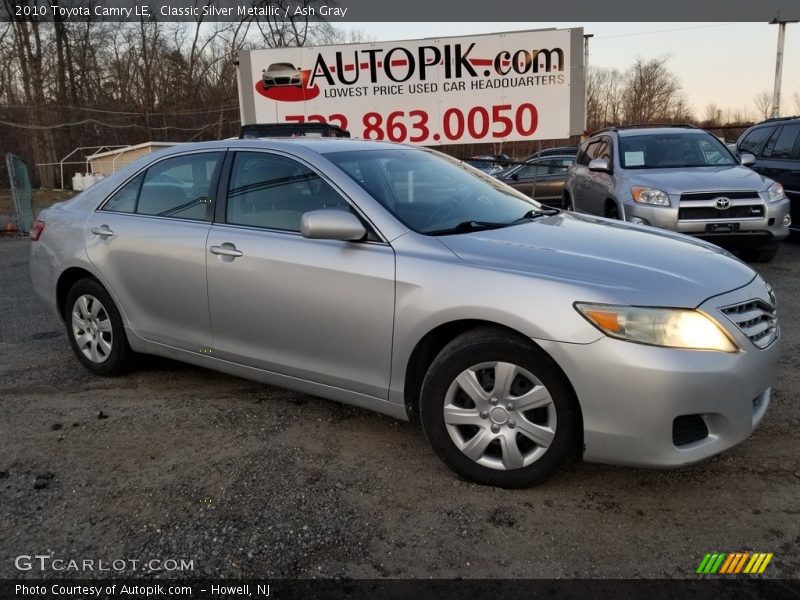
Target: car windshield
pixel 432 193
pixel 673 150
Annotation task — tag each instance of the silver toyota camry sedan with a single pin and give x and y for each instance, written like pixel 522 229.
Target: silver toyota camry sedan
pixel 403 281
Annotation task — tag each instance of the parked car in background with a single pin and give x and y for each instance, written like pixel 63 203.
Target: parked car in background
pixel 399 280
pixel 490 163
pixel 776 145
pixel 679 178
pixel 540 178
pixel 255 131
pixel 556 151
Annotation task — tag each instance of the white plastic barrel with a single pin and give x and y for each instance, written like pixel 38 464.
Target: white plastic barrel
pixel 77 182
pixel 89 180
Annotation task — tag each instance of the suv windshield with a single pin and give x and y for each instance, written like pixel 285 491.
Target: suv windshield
pixel 673 150
pixel 433 193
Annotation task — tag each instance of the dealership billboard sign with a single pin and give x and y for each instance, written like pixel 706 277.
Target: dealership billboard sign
pixel 482 88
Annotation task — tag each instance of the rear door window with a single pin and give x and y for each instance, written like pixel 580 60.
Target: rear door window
pixel 786 141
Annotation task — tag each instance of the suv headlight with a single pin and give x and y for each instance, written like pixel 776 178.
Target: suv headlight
pixel 775 192
pixel 645 195
pixel 669 327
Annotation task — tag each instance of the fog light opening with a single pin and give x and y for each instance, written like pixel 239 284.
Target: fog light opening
pixel 787 220
pixel 638 221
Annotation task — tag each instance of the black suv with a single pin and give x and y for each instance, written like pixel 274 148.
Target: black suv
pixel 776 145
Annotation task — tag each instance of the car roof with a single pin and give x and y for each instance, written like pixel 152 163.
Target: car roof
pixel 319 145
pixel 658 131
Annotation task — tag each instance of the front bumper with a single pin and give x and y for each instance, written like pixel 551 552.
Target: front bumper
pixel 630 394
pixel 748 230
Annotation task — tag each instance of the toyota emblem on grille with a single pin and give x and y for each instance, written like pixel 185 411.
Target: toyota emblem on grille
pixel 722 203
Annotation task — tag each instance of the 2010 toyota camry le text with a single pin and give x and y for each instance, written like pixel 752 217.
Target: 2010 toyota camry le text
pixel 403 281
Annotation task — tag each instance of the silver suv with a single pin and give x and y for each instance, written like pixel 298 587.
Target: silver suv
pixel 679 178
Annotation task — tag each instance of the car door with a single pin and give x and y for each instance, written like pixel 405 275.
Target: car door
pixel 148 243
pixel 550 186
pixel 598 184
pixel 579 176
pixel 317 310
pixel 780 160
pixel 524 180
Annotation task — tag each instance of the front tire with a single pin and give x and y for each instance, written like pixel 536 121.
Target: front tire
pixel 95 329
pixel 763 254
pixel 498 411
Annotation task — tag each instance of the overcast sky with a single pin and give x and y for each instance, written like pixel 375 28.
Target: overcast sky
pixel 722 63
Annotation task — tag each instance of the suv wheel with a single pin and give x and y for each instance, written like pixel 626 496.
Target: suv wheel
pixel 612 210
pixel 763 254
pixel 497 410
pixel 95 329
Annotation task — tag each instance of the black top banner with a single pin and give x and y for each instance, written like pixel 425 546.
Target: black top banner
pixel 343 11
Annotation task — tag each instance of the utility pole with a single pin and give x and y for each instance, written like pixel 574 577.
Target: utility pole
pixel 776 91
pixel 586 38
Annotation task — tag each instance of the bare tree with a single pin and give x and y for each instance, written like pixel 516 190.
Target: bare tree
pixel 652 93
pixel 713 116
pixel 763 103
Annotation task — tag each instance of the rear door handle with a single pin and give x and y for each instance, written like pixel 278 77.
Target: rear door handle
pixel 103 231
pixel 226 249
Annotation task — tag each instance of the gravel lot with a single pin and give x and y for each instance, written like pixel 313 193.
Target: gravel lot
pixel 247 480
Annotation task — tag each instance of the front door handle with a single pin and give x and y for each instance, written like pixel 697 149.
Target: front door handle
pixel 103 231
pixel 226 249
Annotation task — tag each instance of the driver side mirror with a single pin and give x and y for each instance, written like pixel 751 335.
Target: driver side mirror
pixel 332 224
pixel 600 165
pixel 747 159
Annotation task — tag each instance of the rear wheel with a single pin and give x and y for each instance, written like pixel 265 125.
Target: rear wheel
pixel 498 411
pixel 95 329
pixel 762 254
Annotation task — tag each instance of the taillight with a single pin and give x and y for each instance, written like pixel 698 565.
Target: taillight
pixel 37 227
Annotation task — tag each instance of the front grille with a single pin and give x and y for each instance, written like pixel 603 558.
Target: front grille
pixel 712 195
pixel 687 429
pixel 705 213
pixel 756 319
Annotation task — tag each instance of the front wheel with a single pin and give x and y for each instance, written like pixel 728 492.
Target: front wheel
pixel 763 254
pixel 95 329
pixel 498 411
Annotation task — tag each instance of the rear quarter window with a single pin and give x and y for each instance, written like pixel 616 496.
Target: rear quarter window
pixel 754 141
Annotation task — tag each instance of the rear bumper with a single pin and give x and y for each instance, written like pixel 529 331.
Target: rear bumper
pixel 630 394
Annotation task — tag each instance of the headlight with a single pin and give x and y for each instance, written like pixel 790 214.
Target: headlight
pixel 671 327
pixel 645 195
pixel 775 192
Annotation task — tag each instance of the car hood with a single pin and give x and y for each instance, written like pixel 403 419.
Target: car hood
pixel 700 179
pixel 623 263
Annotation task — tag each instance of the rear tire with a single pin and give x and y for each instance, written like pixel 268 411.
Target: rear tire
pixel 482 430
pixel 763 254
pixel 95 329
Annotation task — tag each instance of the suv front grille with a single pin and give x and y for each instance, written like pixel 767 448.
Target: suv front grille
pixel 704 213
pixel 756 319
pixel 713 195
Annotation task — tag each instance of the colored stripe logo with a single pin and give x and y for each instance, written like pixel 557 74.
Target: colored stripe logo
pixel 731 563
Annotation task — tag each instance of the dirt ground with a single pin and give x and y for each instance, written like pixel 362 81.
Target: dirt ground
pixel 175 462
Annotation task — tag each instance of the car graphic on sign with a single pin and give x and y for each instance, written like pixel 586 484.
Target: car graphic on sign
pixel 281 74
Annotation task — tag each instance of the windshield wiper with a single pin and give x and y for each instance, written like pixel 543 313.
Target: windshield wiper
pixel 535 213
pixel 467 226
